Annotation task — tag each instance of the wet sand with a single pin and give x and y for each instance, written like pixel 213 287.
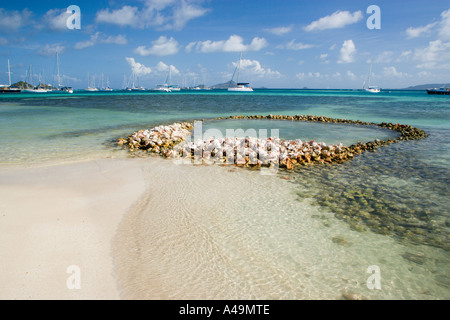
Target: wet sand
pixel 56 217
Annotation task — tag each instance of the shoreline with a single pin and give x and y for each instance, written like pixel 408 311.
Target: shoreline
pixel 59 216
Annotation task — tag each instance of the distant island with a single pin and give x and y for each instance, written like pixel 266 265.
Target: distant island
pixel 226 85
pixel 426 86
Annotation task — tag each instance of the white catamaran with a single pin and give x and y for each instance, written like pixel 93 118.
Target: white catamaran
pixel 240 86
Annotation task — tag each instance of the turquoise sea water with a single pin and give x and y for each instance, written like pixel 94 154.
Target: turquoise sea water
pixel 400 192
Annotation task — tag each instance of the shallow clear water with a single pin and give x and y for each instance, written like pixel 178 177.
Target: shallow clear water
pixel 388 208
pixel 329 133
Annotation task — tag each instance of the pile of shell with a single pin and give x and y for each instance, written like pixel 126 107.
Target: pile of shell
pixel 252 151
pixel 171 141
pixel 159 140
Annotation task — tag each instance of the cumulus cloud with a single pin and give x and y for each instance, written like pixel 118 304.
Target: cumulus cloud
pixel 444 25
pixel 279 30
pixel 98 37
pixel 137 68
pixel 51 49
pixel 126 16
pixel 442 28
pixel 55 20
pixel 324 58
pixel 254 68
pixel 292 45
pixel 347 53
pixel 184 13
pixel 161 67
pixel 234 44
pixel 165 14
pixel 161 47
pixel 14 20
pixel 391 72
pixel 338 19
pixel 419 31
pixel 435 55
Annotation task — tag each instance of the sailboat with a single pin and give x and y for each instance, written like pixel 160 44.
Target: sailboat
pixel 94 89
pixel 107 88
pixel 133 84
pixel 37 89
pixel 8 88
pixel 240 86
pixel 167 86
pixel 369 88
pixel 172 87
pixel 60 87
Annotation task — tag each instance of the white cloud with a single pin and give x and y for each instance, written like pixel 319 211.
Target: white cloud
pixel 404 55
pixel 292 45
pixel 442 28
pixel 184 13
pixel 13 20
pixel 348 51
pixel 51 49
pixel 314 75
pixel 126 16
pixel 279 31
pixel 161 67
pixel 351 75
pixel 98 37
pixel 161 47
pixel 166 14
pixel 436 55
pixel 444 25
pixel 338 19
pixel 254 68
pixel 234 44
pixel 300 76
pixel 55 20
pixel 391 72
pixel 137 68
pixel 323 58
pixel 384 57
pixel 417 32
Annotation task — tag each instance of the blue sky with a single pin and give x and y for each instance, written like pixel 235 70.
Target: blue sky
pixel 285 43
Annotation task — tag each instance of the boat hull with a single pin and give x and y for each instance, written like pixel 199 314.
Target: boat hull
pixel 10 91
pixel 34 91
pixel 240 89
pixel 439 91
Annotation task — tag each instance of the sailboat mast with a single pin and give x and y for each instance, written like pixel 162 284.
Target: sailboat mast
pixel 9 74
pixel 239 68
pixel 57 68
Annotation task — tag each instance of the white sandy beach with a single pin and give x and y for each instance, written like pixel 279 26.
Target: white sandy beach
pixel 52 218
pixel 150 229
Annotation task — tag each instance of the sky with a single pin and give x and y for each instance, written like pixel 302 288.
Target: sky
pixel 284 43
